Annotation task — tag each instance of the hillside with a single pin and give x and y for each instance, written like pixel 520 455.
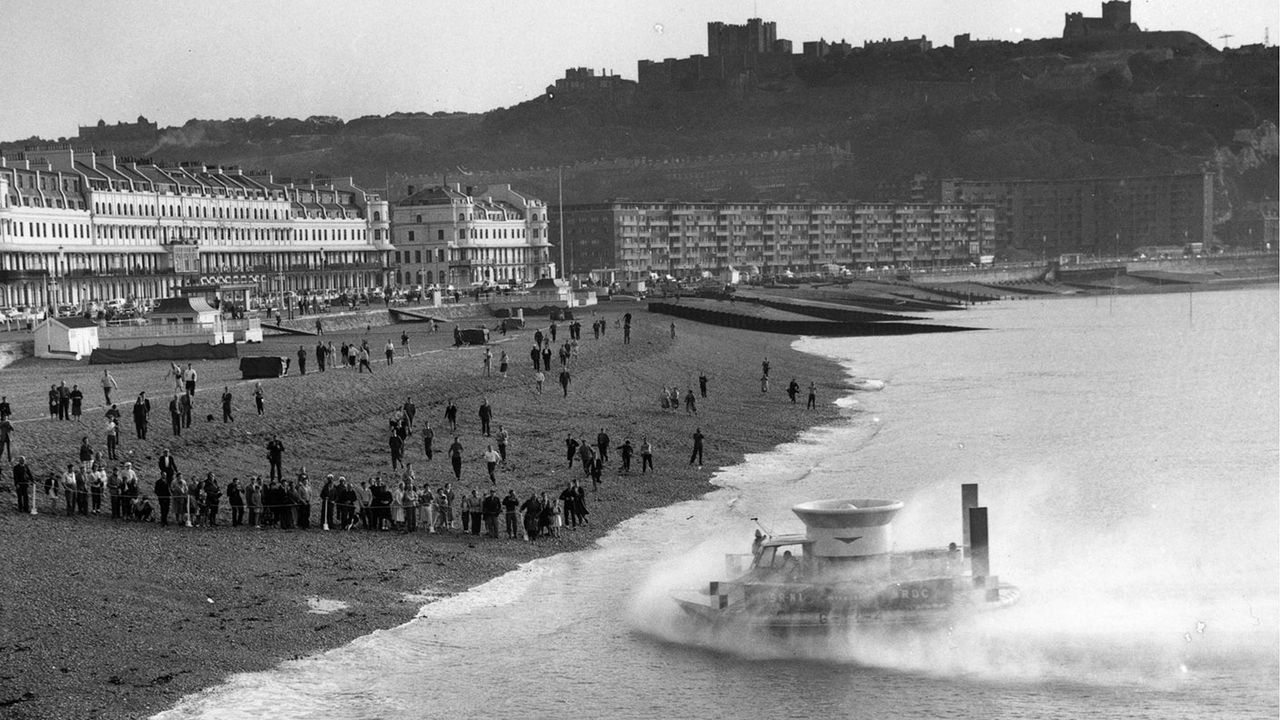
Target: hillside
pixel 1033 109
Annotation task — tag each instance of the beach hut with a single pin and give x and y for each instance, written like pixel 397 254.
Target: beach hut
pixel 184 311
pixel 67 338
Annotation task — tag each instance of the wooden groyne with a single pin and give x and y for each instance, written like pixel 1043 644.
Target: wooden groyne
pixel 749 317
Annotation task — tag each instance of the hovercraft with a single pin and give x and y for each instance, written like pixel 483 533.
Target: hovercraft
pixel 841 573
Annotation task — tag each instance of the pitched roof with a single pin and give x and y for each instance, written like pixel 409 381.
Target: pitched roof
pixel 74 322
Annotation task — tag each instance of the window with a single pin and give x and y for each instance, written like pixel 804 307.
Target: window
pixel 440 255
pixel 411 238
pixel 419 219
pixel 417 256
pixel 440 234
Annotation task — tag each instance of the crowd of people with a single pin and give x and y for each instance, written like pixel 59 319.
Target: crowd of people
pixel 395 500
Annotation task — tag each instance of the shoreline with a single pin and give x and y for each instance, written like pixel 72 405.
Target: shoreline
pixel 115 619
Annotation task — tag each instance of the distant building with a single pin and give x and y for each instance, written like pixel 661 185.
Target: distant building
pixel 143 129
pixel 1095 216
pixel 905 45
pixel 1115 20
pixel 682 238
pixel 80 226
pixel 736 55
pixel 815 50
pixel 585 83
pixel 448 236
pixel 757 37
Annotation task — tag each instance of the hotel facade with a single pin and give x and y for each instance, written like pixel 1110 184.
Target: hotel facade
pixel 78 226
pixel 681 238
pixel 445 235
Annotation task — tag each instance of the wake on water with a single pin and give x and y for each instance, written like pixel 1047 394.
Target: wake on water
pixel 1096 608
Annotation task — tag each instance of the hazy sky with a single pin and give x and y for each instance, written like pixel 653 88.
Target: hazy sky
pixel 66 63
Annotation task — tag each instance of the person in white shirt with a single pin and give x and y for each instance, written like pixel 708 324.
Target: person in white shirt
pixel 491 458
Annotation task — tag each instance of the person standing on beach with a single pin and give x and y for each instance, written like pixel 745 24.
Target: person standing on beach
pixel 163 493
pixel 673 331
pixel 510 504
pixel 813 396
pixel 538 379
pixel 235 498
pixel 702 384
pixel 491 458
pixel 77 401
pixel 602 444
pixel 320 353
pixel 275 456
pixel 404 343
pixel 488 362
pixel 764 367
pixel 64 402
pixel 302 360
pixel 108 383
pixel 22 484
pixel 546 357
pixel 113 437
pixel 490 509
pixel 258 399
pixel 253 500
pixel 6 441
pixel 690 403
pixel 5 409
pixel 189 377
pixel 486 414
pixel 502 438
pixel 571 448
pixel 184 406
pixel 397 450
pixel 697 447
pixel 451 415
pixel 175 416
pixel 564 381
pixel 646 455
pixel 455 458
pixel 363 357
pixel 410 412
pixel 226 405
pixel 535 354
pixel 428 435
pixel 793 390
pixel 625 451
pixel 390 352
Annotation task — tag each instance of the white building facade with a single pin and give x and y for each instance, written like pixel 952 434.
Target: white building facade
pixel 447 236
pixel 78 226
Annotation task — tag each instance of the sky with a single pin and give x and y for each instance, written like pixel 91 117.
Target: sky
pixel 66 63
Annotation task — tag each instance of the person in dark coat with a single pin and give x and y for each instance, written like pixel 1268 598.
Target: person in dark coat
pixel 212 495
pixel 175 415
pixel 397 450
pixel 23 482
pixel 275 455
pixel 532 513
pixel 236 499
pixel 141 409
pixel 162 496
pixel 226 405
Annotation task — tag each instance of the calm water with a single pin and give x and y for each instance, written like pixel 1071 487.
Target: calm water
pixel 1128 450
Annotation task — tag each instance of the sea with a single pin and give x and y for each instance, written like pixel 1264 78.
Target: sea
pixel 1127 448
